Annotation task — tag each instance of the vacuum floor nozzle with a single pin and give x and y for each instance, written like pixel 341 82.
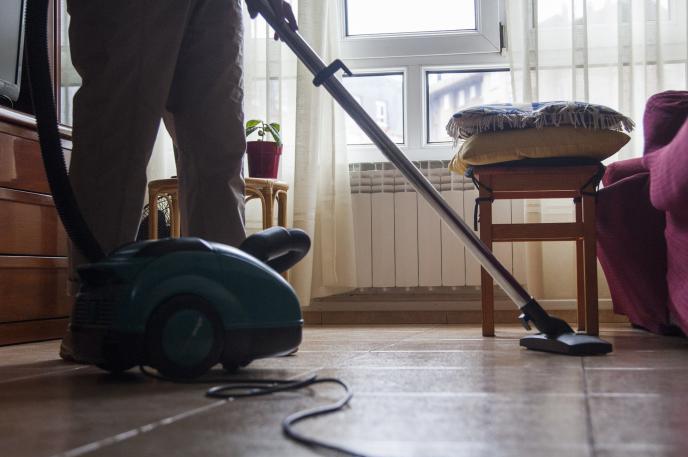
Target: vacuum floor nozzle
pixel 567 343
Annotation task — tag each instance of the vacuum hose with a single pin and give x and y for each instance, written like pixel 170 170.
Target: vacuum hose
pixel 40 83
pixel 278 247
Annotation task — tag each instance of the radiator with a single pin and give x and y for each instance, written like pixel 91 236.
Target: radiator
pixel 400 240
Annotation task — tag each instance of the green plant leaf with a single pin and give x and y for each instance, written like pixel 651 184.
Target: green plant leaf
pixel 276 126
pixel 253 123
pixel 274 132
pixel 250 130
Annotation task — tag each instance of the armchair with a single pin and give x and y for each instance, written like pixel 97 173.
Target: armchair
pixel 642 221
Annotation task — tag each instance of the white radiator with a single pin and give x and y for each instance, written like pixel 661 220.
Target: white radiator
pixel 401 241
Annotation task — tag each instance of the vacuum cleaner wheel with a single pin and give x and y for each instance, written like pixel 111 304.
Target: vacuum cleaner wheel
pixel 184 338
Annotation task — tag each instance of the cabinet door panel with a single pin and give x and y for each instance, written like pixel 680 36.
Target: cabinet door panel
pixel 21 166
pixel 33 288
pixel 29 225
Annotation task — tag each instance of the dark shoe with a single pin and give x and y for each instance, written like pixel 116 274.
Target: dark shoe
pixel 67 348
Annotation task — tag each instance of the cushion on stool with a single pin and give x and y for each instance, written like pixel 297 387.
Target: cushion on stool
pixel 506 116
pixel 510 145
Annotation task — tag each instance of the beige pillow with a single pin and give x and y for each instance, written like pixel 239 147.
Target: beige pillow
pixel 566 141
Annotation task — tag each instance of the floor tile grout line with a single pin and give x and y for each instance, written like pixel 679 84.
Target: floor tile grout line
pixel 588 412
pixel 420 332
pixel 360 354
pixel 120 437
pixel 123 436
pixel 41 375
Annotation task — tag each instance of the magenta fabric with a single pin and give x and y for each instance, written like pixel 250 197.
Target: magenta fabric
pixel 668 168
pixel 632 251
pixel 642 221
pixel 617 171
pixel 664 115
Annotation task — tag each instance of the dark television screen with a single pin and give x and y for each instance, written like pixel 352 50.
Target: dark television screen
pixel 11 45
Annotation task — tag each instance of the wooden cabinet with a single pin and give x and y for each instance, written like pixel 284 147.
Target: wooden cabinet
pixel 33 245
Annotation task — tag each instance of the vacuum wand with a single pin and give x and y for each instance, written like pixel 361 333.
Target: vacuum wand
pixel 324 75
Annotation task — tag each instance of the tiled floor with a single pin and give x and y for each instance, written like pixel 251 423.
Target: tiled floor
pixel 419 390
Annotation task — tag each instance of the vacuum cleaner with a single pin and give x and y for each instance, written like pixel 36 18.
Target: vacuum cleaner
pixel 183 305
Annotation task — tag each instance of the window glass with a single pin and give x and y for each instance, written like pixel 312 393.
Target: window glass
pixel 382 96
pixel 69 78
pixel 365 17
pixel 450 91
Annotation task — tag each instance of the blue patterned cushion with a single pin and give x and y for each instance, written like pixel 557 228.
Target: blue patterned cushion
pixel 506 116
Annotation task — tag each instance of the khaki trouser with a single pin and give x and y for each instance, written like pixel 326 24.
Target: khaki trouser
pixel 141 60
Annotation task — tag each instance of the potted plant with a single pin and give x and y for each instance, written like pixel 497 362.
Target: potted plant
pixel 263 155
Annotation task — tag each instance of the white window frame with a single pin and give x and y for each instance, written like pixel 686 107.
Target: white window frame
pixel 383 53
pixel 485 39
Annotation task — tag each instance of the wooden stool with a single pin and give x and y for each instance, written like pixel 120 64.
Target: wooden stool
pixel 267 190
pixel 166 188
pixel 517 182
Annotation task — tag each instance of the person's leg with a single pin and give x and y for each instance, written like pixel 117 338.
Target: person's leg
pixel 208 123
pixel 125 52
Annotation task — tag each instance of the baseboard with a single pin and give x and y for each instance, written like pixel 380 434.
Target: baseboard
pixel 435 317
pixel 31 331
pixel 431 305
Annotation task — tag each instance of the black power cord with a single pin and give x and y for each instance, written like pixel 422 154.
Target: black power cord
pixel 40 83
pixel 233 389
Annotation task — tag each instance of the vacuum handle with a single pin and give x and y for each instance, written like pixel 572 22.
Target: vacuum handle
pixel 278 247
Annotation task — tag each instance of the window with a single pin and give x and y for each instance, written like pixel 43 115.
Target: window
pixel 69 78
pixel 387 28
pixel 382 96
pixel 446 93
pixel 363 16
pixel 435 47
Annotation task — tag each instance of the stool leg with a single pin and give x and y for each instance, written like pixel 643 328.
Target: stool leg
pixel 580 271
pixel 282 208
pixel 590 254
pixel 175 225
pixel 152 214
pixel 267 207
pixel 486 281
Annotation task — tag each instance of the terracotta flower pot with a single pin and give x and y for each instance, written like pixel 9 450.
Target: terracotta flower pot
pixel 263 159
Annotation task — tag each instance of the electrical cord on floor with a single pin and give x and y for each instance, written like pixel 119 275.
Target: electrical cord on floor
pixel 245 388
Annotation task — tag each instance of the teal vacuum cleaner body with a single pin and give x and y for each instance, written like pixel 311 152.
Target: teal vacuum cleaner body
pixel 179 305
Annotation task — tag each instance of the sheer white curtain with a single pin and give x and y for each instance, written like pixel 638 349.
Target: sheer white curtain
pixel 322 196
pixel 313 161
pixel 612 52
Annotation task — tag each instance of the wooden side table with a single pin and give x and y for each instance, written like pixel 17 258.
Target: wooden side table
pixel 269 190
pixel 167 188
pixel 266 190
pixel 578 182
